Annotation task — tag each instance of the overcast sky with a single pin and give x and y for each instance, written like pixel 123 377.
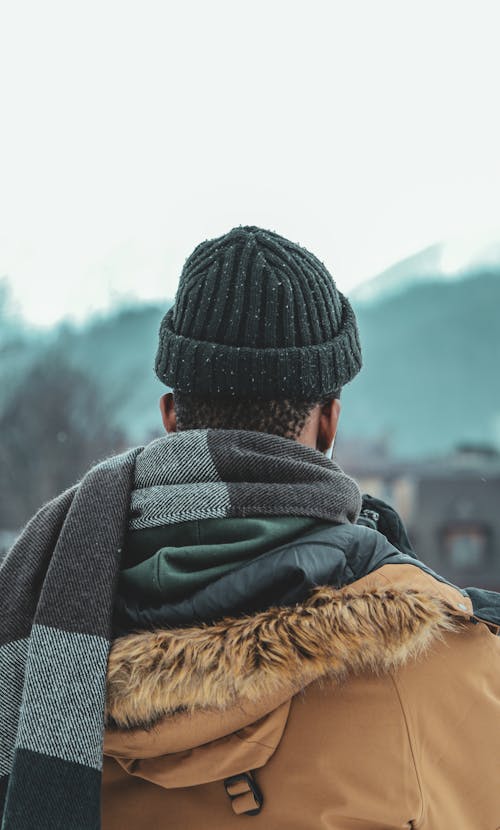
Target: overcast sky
pixel 130 131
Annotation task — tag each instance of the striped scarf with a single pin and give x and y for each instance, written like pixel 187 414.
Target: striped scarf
pixel 58 584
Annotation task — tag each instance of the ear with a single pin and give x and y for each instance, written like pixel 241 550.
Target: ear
pixel 167 409
pixel 327 424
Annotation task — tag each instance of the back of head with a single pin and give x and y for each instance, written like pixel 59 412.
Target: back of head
pixel 258 335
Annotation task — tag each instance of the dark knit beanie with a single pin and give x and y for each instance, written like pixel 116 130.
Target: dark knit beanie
pixel 257 316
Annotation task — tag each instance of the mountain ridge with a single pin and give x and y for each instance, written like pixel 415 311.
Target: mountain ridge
pixel 431 356
pixel 453 260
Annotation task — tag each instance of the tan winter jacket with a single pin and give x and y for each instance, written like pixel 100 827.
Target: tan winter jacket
pixel 373 706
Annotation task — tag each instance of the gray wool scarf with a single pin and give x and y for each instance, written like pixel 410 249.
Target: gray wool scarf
pixel 213 474
pixel 58 584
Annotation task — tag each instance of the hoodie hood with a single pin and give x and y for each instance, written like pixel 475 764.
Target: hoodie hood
pixel 191 705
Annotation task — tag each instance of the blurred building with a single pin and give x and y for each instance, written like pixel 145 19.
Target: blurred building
pixel 450 505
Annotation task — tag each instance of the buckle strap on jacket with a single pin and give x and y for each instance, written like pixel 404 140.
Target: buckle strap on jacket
pixel 246 797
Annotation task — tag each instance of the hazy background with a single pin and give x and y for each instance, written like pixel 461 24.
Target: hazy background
pixel 131 130
pixel 368 132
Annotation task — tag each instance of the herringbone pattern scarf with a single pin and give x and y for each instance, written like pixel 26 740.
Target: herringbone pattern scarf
pixel 57 586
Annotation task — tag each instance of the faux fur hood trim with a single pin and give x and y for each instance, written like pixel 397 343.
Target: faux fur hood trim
pixel 334 633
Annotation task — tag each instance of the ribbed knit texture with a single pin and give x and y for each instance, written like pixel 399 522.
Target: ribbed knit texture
pixel 256 315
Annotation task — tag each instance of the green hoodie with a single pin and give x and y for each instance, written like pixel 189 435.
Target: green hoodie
pixel 169 563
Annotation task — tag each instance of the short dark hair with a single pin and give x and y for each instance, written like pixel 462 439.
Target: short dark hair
pixel 285 418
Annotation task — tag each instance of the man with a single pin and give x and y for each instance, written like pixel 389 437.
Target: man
pixel 272 661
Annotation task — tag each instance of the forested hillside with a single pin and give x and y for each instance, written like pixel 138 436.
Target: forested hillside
pixel 431 367
pixel 69 397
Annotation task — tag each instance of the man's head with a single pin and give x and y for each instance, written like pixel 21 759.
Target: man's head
pixel 259 338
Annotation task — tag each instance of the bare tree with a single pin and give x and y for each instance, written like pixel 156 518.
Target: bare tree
pixel 53 428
